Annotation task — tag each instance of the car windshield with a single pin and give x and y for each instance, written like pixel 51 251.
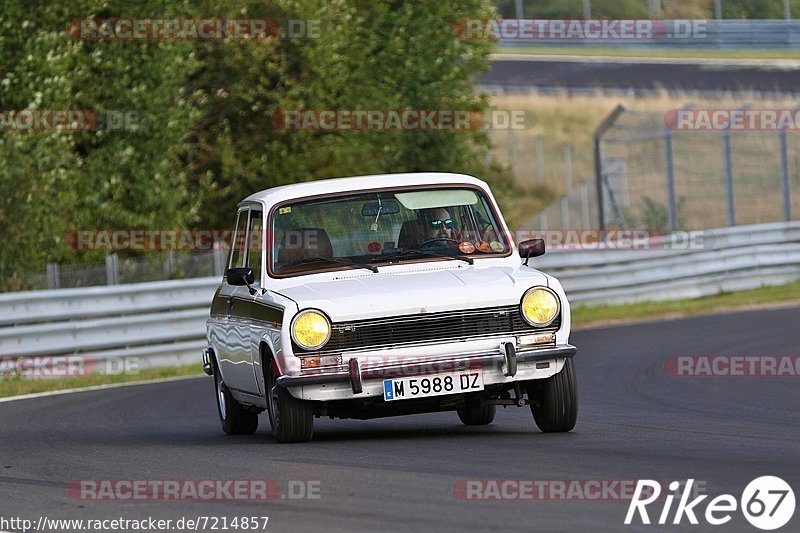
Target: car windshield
pixel 366 229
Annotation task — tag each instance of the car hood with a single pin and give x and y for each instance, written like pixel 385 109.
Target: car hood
pixel 357 296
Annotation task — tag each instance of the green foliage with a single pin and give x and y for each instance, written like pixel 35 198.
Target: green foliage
pixel 369 56
pixel 52 182
pixel 206 137
pixel 654 216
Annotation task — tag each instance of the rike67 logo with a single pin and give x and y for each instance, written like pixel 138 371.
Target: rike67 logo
pixel 767 503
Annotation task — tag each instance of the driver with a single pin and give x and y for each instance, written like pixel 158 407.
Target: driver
pixel 438 224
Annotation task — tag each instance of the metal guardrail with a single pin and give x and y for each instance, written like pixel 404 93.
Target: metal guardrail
pixel 163 323
pixel 731 259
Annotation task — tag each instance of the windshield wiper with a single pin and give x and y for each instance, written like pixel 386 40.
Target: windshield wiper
pixel 331 260
pixel 416 251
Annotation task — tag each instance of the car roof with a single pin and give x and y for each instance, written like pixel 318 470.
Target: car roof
pixel 359 183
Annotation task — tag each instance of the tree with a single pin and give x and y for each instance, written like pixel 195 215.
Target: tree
pixel 53 182
pixel 368 56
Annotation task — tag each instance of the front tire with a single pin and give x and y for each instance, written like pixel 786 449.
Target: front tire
pixel 556 410
pixel 477 415
pixel 233 416
pixel 292 420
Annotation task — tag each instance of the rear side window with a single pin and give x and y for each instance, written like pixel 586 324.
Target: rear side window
pixel 238 241
pixel 256 243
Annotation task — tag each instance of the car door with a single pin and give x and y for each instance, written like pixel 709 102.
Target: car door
pixel 235 360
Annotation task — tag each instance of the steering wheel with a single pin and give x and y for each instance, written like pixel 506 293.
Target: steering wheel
pixel 430 242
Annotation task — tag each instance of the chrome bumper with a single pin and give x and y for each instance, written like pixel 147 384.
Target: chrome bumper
pixel 208 368
pixel 505 357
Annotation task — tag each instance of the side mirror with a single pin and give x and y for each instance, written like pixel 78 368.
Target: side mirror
pixel 531 248
pixel 241 277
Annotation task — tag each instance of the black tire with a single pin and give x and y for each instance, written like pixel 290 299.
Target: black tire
pixel 557 408
pixel 292 420
pixel 235 418
pixel 477 415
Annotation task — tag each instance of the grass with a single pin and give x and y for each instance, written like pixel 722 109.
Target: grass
pixel 17 386
pixel 647 53
pixel 594 315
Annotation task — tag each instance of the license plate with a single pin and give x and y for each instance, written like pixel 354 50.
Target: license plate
pixel 434 385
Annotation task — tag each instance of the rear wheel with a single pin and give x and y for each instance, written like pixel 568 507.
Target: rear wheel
pixel 477 415
pixel 235 418
pixel 292 420
pixel 555 406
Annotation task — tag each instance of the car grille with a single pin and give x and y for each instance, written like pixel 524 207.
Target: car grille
pixel 433 327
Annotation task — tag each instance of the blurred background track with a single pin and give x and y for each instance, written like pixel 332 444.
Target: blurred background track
pixel 522 73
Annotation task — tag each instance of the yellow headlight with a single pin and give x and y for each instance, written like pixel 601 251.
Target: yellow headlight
pixel 311 330
pixel 540 306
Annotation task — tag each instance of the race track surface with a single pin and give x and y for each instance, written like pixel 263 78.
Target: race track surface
pixel 678 76
pixel 636 421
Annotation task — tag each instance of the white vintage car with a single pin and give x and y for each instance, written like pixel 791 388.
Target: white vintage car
pixel 385 295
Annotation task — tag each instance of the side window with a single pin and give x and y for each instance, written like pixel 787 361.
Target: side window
pixel 256 243
pixel 238 241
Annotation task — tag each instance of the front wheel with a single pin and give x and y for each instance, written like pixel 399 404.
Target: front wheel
pixel 292 420
pixel 555 400
pixel 234 417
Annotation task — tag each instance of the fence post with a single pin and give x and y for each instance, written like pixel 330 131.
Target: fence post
pixel 169 265
pixel 112 270
pixel 584 188
pixel 512 150
pixel 542 220
pixel 564 212
pixel 598 162
pixel 53 276
pixel 670 168
pixel 568 168
pixel 537 141
pixel 726 144
pixel 787 193
pixel 219 259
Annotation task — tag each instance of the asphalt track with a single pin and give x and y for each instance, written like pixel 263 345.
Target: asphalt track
pixel 646 75
pixel 636 421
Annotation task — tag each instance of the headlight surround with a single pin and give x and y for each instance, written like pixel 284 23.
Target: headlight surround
pixel 311 329
pixel 540 306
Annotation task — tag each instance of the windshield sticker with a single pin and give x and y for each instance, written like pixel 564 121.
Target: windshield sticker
pixel 285 210
pixel 466 247
pixel 497 246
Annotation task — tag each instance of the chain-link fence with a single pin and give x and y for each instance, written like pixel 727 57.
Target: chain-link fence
pixel 667 179
pixel 118 269
pixel 537 161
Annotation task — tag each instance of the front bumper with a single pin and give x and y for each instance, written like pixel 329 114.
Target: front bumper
pixel 361 379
